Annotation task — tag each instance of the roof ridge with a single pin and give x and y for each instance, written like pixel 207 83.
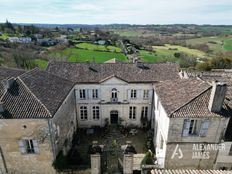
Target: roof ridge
pixel 34 96
pixel 190 101
pixel 36 68
pixel 12 68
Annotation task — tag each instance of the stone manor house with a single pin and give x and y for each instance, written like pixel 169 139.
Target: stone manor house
pixel 41 110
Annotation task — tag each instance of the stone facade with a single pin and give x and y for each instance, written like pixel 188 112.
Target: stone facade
pixel 174 150
pixel 12 131
pixel 52 136
pixel 121 105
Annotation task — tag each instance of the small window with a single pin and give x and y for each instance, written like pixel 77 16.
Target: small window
pixel 145 94
pixel 132 112
pixel 133 93
pixel 95 93
pixel 230 153
pixel 83 112
pixel 28 146
pixel 96 113
pixel 82 94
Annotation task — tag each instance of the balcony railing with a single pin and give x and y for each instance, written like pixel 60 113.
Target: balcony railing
pixel 114 100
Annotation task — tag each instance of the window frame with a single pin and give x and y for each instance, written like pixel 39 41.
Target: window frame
pixel 133 94
pixel 83 113
pixel 144 111
pixel 146 94
pixel 132 113
pixel 96 112
pixel 95 94
pixel 82 94
pixel 28 146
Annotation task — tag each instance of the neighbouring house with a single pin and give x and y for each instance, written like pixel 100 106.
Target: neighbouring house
pixel 37 120
pixel 224 159
pixel 46 42
pixel 191 117
pixel 114 93
pixel 20 39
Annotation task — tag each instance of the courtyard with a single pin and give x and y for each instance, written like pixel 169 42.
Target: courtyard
pixel 111 139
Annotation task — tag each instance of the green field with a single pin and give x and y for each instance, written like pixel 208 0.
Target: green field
pixel 216 44
pixel 158 56
pixel 41 63
pixel 81 55
pixel 228 44
pixel 171 49
pixel 96 47
pixel 4 37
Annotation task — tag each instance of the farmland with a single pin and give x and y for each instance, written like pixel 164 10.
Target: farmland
pixel 96 47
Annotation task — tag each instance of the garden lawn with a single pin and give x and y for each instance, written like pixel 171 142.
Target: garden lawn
pixel 81 55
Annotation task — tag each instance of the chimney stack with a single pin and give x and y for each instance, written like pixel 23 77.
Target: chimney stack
pixel 1 107
pixel 217 96
pixel 8 83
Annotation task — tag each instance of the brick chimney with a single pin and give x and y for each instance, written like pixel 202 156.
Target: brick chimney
pixel 217 96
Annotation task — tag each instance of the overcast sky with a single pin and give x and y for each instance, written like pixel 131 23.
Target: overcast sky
pixel 117 11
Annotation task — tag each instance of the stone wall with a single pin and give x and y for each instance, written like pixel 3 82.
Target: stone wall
pixel 11 131
pixel 64 124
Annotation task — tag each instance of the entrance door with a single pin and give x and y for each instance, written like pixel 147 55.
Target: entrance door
pixel 114 117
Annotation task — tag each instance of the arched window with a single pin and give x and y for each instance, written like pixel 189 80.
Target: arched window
pixel 114 93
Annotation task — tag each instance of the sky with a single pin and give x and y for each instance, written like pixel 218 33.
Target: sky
pixel 117 11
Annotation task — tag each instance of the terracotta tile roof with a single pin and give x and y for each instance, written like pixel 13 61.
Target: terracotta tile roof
pixel 94 73
pixel 34 94
pixel 183 171
pixel 19 102
pixel 51 90
pixel 223 75
pixel 186 98
pixel 6 73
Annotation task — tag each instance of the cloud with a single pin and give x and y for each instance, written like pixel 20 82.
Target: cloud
pixel 118 11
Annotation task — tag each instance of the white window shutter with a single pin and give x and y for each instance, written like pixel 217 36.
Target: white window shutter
pixel 77 93
pixel 186 127
pixel 128 94
pixel 22 146
pixel 150 94
pixel 90 93
pixel 204 128
pixel 36 146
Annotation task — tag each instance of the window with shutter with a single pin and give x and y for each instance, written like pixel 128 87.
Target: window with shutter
pixel 28 146
pixel 22 146
pixel 204 128
pixel 36 146
pixel 186 127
